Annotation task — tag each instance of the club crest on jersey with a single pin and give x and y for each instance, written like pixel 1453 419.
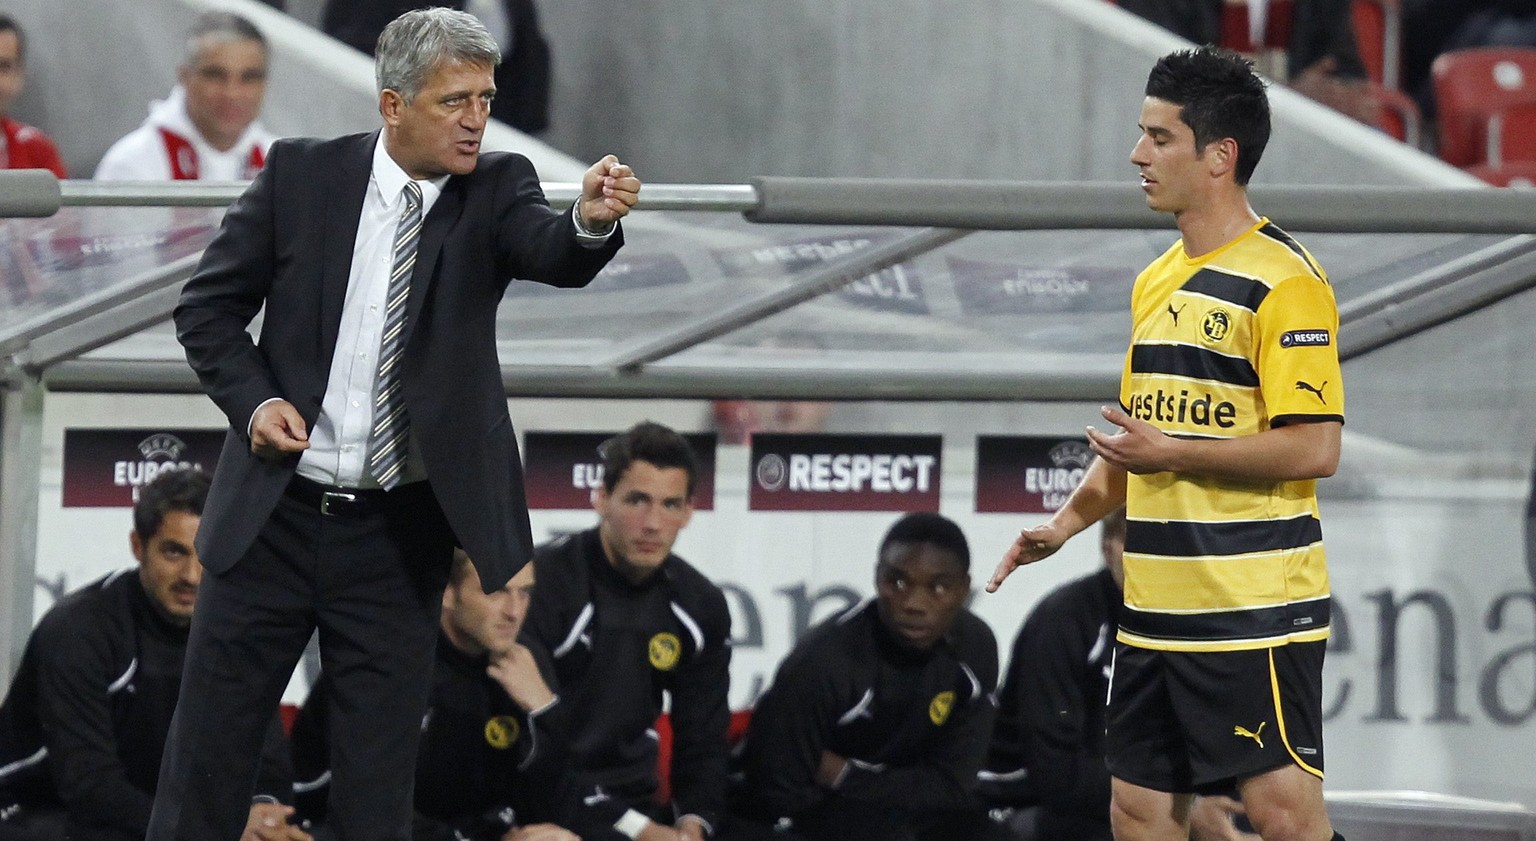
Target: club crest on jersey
pixel 939 707
pixel 1305 338
pixel 501 731
pixel 665 650
pixel 1216 325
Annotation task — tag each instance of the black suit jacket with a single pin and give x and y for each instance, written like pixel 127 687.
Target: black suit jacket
pixel 286 244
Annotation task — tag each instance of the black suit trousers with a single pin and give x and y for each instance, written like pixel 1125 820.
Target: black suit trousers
pixel 372 584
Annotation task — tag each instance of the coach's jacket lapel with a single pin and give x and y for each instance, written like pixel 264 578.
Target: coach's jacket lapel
pixel 440 220
pixel 344 207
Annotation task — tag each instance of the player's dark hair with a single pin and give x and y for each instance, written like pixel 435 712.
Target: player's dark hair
pixel 171 490
pixel 649 442
pixel 933 529
pixel 1219 96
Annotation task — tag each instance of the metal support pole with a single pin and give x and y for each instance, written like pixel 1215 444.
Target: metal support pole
pixel 21 434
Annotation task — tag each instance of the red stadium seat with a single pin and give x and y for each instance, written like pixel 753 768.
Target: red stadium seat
pixel 1486 98
pixel 1235 33
pixel 1379 37
pixel 1400 116
pixel 1510 174
pixel 733 735
pixel 1512 135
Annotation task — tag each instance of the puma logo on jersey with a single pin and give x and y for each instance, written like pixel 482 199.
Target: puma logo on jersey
pixel 1175 313
pixel 1318 390
pixel 1240 730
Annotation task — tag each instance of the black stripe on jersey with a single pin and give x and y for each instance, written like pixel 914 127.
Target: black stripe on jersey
pixel 1239 291
pixel 1255 623
pixel 1273 232
pixel 1286 420
pixel 1184 539
pixel 1194 363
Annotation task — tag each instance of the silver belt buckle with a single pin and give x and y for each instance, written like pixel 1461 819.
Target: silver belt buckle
pixel 328 497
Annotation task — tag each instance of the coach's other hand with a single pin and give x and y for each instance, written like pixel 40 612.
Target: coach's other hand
pixel 277 428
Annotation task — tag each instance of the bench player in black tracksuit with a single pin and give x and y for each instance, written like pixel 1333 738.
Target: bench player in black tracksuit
pixel 83 726
pixel 493 763
pixel 627 623
pixel 877 722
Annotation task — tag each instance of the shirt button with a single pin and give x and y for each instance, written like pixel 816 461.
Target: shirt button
pixel 348 448
pixel 355 404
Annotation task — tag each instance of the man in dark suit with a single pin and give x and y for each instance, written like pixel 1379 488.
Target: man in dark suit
pixel 368 424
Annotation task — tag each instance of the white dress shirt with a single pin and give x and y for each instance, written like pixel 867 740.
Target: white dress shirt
pixel 338 443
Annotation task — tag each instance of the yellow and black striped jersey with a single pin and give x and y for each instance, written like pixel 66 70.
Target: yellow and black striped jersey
pixel 1232 343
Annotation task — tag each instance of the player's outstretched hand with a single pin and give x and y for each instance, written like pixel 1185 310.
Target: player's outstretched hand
pixel 1210 819
pixel 1032 545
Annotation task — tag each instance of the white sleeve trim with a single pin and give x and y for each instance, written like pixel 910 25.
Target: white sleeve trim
pixel 123 679
pixel 583 619
pixel 693 628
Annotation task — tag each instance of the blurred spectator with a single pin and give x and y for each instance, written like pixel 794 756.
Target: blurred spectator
pixel 737 420
pixel 630 623
pixel 1499 23
pixel 493 764
pixel 522 78
pixel 21 145
pixel 1194 20
pixel 84 725
pixel 206 129
pixel 878 721
pixel 1322 59
pixel 1432 27
pixel 1047 756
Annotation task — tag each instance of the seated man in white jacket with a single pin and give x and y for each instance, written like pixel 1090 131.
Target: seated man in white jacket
pixel 206 129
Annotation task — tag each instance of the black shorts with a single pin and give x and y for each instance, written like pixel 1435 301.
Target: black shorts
pixel 1198 721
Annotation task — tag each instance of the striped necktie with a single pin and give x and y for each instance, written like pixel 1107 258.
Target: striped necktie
pixel 387 440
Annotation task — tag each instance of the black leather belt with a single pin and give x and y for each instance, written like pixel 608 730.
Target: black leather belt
pixel 337 502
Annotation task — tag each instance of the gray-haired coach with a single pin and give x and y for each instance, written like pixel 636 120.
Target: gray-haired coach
pixel 368 423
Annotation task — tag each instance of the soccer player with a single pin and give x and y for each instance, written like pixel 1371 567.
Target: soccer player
pixel 1231 409
pixel 878 721
pixel 629 622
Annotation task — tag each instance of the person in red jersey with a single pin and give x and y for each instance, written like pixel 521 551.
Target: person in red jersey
pixel 21 146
